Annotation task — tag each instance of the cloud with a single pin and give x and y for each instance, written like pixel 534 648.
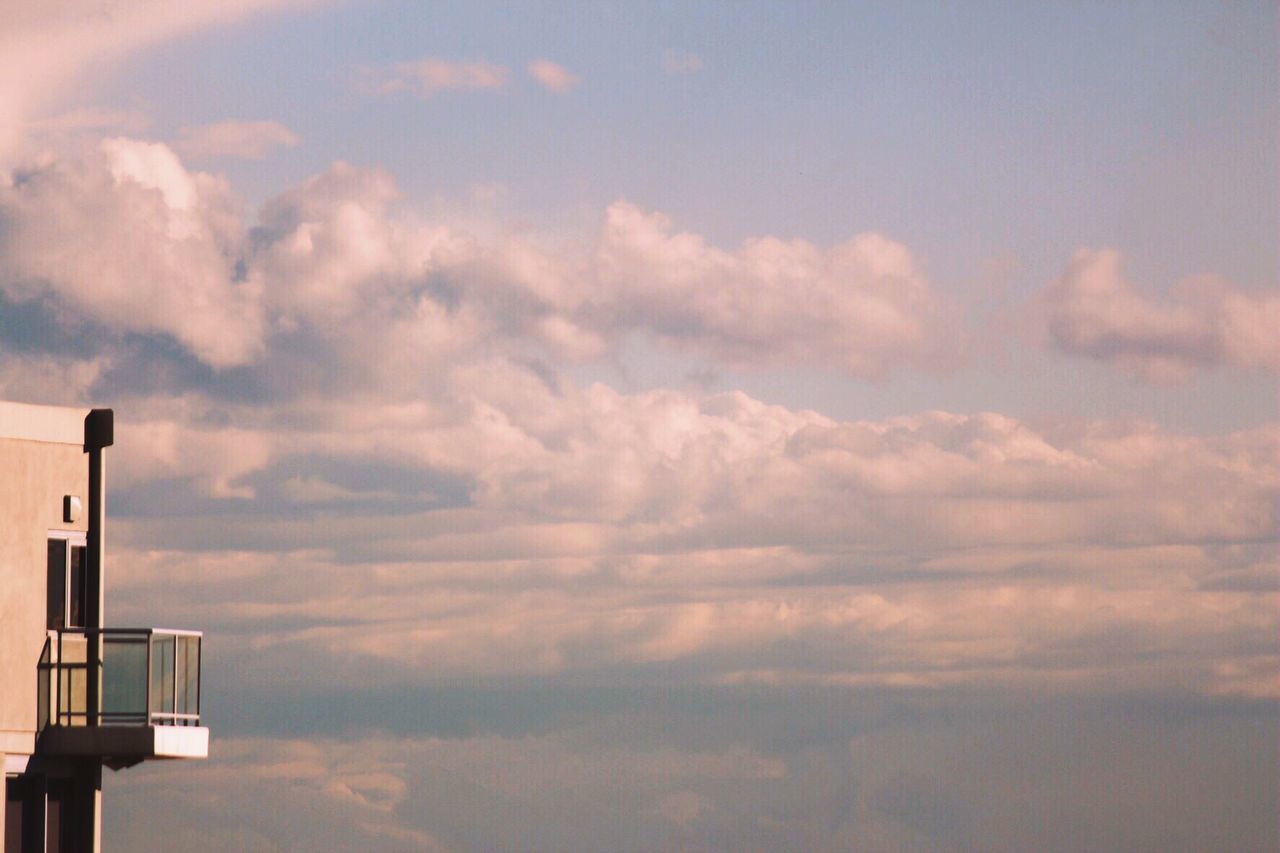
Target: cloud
pixel 380 401
pixel 90 119
pixel 862 306
pixel 431 75
pixel 552 75
pixel 46 47
pixel 719 540
pixel 1094 312
pixel 247 140
pixel 131 240
pixel 676 62
pixel 665 770
pixel 336 267
pixel 446 578
pixel 52 380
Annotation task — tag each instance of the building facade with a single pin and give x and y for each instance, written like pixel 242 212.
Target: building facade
pixel 76 694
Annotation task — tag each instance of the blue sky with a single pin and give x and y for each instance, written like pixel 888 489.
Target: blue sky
pixel 1099 125
pixel 673 426
pixel 992 139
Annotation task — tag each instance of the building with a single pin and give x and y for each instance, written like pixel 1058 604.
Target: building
pixel 76 694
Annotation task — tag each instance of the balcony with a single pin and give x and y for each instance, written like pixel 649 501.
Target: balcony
pixel 147 702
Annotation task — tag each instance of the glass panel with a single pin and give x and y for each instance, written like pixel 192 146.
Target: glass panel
pixel 64 695
pixel 72 676
pixel 180 674
pixel 193 675
pixel 44 687
pixel 161 674
pixel 124 677
pixel 76 604
pixel 73 695
pixel 57 584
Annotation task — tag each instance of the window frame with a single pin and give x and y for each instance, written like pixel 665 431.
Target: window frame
pixel 73 539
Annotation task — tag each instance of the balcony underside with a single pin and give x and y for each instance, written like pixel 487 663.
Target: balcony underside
pixel 122 746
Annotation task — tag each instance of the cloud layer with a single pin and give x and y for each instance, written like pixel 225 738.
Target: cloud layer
pixel 355 446
pixel 668 775
pixel 532 531
pixel 343 386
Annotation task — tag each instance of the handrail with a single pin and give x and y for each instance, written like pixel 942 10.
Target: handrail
pixel 177 632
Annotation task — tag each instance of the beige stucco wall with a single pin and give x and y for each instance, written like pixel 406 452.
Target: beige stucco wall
pixel 34 477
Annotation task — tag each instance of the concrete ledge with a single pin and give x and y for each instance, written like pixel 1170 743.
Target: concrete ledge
pixel 42 423
pixel 128 743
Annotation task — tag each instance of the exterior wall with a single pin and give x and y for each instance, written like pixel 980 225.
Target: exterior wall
pixel 41 459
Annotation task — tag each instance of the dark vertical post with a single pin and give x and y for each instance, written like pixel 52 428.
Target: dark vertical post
pixel 99 434
pixel 33 811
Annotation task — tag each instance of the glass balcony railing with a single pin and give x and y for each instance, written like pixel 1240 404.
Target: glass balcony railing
pixel 145 677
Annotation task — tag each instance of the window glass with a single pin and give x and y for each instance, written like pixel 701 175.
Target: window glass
pixel 76 603
pixel 57 585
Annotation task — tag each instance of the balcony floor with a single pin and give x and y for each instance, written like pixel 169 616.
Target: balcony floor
pixel 127 744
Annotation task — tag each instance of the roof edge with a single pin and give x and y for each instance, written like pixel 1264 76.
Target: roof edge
pixel 54 424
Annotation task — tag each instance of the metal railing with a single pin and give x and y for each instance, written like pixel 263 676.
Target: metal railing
pixel 146 677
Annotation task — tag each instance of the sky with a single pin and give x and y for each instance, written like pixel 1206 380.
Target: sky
pixel 673 426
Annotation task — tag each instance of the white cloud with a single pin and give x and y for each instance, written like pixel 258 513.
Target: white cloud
pixel 552 75
pixel 247 140
pixel 432 75
pixel 1093 311
pixel 46 47
pixel 862 306
pixel 135 242
pixel 333 259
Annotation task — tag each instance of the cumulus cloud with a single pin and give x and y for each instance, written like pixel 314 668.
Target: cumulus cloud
pixel 862 306
pixel 552 75
pixel 1095 312
pixel 431 75
pixel 133 241
pixel 247 140
pixel 337 267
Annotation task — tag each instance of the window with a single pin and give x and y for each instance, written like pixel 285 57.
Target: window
pixel 67 580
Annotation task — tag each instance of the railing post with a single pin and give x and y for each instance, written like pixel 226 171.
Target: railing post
pixel 199 673
pixel 174 705
pixel 57 674
pixel 148 707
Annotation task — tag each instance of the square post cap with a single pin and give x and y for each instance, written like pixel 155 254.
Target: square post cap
pixel 99 429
